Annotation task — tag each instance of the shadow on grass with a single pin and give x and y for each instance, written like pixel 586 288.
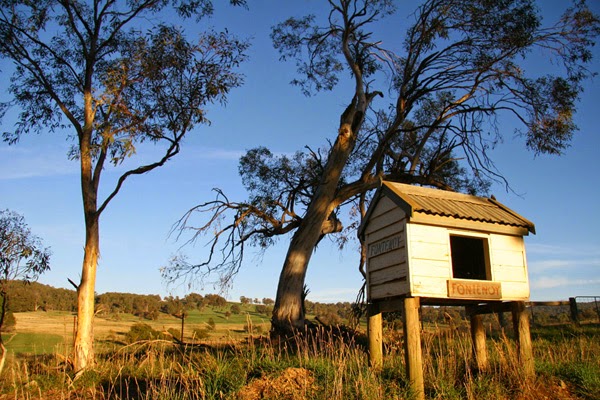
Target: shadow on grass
pixel 553 333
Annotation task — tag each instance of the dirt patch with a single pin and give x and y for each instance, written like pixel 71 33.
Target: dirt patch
pixel 551 389
pixel 291 383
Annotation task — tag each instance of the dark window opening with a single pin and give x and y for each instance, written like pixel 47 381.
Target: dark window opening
pixel 469 256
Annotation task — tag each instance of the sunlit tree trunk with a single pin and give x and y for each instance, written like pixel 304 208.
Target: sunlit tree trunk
pixel 84 339
pixel 288 313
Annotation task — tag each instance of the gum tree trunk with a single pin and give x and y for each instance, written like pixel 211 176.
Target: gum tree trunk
pixel 90 179
pixel 84 339
pixel 288 313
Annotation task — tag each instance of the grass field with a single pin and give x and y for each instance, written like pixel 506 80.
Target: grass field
pixel 567 360
pixel 26 343
pixel 115 326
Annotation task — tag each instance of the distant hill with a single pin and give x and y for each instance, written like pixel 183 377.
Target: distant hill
pixel 37 296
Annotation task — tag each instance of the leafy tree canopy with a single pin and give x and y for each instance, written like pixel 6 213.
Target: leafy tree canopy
pixel 22 254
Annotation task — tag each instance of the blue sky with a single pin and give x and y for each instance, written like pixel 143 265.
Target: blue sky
pixel 559 194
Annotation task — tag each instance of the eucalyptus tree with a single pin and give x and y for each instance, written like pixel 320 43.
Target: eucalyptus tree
pixel 110 75
pixel 448 84
pixel 22 257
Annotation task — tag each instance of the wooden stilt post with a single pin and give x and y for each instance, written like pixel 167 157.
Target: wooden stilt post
pixel 478 337
pixel 523 337
pixel 412 346
pixel 375 336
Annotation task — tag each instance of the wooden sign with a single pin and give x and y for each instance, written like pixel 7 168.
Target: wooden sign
pixel 474 289
pixel 384 246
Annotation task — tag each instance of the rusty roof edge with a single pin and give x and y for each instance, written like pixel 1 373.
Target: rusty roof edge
pixel 530 225
pixel 414 190
pixel 402 194
pixel 403 200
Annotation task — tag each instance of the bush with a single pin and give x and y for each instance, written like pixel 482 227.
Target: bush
pixel 141 331
pixel 256 329
pixel 262 309
pixel 176 333
pixel 329 318
pixel 9 322
pixel 211 324
pixel 151 315
pixel 201 333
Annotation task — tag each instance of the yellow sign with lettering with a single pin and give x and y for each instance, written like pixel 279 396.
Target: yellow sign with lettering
pixel 474 289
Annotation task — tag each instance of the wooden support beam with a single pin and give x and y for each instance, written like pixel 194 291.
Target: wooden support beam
pixel 479 345
pixel 548 303
pixel 489 308
pixel 523 337
pixel 375 336
pixel 390 305
pixel 412 347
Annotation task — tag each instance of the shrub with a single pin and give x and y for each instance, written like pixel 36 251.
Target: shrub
pixel 262 309
pixel 329 318
pixel 176 333
pixel 257 329
pixel 211 324
pixel 201 333
pixel 9 322
pixel 141 331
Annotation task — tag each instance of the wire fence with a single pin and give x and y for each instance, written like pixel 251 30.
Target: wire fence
pixel 579 309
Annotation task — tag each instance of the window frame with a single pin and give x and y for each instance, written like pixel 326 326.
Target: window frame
pixel 487 261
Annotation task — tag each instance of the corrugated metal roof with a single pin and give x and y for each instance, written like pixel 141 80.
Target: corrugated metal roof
pixel 457 205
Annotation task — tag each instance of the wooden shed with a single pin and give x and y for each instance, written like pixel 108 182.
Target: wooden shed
pixel 436 244
pixel 429 246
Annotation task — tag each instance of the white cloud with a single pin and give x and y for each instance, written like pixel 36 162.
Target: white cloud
pixel 582 250
pixel 550 282
pixel 219 154
pixel 30 162
pixel 553 264
pixel 334 295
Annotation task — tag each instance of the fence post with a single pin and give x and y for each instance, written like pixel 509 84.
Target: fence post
pixel 182 324
pixel 573 307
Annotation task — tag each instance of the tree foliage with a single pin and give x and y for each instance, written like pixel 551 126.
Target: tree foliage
pixel 22 254
pixel 87 67
pixel 22 257
pixel 36 296
pixel 450 83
